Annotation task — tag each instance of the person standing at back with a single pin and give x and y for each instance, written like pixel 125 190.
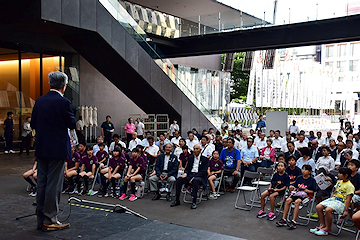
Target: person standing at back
pixel 9 132
pixel 140 129
pixel 129 129
pixel 107 128
pixel 52 116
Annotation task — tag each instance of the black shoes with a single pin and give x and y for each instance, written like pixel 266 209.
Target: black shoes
pixel 156 197
pixel 175 203
pixel 168 197
pixel 193 206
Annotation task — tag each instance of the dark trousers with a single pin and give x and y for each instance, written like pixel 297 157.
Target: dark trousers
pixel 229 172
pixel 50 177
pixel 251 168
pixel 108 136
pixel 80 136
pixel 9 141
pixel 196 183
pixel 128 138
pixel 25 143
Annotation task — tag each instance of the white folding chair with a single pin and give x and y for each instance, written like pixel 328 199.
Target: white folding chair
pixel 252 189
pixel 309 206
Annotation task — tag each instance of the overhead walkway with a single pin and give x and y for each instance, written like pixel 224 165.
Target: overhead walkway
pixel 334 30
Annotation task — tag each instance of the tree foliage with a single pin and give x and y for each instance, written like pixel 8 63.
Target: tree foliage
pixel 240 78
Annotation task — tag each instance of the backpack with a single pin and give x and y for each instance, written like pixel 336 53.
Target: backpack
pixel 230 163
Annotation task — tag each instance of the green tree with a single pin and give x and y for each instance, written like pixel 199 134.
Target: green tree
pixel 240 78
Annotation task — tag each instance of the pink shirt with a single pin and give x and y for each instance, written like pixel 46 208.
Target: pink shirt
pixel 129 128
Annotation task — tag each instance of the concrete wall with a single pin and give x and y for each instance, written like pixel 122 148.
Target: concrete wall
pixel 209 62
pixel 97 90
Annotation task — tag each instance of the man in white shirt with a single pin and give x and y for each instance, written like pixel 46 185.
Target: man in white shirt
pixel 134 141
pixel 173 127
pixel 191 141
pixel 356 141
pixel 301 143
pixel 140 129
pixel 294 129
pixel 116 138
pixel 175 140
pixel 152 150
pixel 206 148
pixel 277 141
pixel 236 126
pixel 261 142
pixel 145 142
pixel 80 130
pixel 243 142
pixel 350 146
pixel 286 140
pixel 287 133
pixel 328 138
pixel 320 139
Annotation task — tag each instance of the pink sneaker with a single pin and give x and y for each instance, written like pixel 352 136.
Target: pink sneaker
pixel 132 198
pixel 123 196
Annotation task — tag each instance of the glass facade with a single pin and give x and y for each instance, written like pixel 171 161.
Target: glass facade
pixel 24 78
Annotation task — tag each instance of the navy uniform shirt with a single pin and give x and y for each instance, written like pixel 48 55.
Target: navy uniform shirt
pixel 107 126
pixel 9 125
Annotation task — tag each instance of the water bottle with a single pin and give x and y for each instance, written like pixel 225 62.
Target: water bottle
pixel 139 189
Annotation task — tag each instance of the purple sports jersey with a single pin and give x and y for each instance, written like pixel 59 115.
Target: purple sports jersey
pixel 184 158
pixel 88 162
pixel 71 162
pixel 138 163
pixel 113 163
pixel 101 155
pixel 216 165
pixel 82 155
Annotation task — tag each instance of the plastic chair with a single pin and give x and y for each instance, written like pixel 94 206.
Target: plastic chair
pixel 253 189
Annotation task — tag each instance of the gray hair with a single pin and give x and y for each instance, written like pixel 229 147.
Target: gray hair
pixel 57 79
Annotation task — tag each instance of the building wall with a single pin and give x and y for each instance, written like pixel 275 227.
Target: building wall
pixel 97 90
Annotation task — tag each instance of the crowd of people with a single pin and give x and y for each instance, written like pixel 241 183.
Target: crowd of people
pixel 171 162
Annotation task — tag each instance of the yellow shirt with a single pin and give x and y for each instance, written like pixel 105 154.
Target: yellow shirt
pixel 343 189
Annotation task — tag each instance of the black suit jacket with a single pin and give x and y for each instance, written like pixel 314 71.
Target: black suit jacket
pixel 318 153
pixel 51 117
pixel 173 165
pixel 296 154
pixel 203 166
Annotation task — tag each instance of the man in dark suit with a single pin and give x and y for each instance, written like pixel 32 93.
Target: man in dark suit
pixel 166 169
pixel 316 150
pixel 51 117
pixel 195 174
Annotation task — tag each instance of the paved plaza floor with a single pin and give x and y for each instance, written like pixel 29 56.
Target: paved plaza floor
pixel 213 219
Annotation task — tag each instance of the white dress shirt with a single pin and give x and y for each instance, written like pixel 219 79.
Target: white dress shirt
pixel 277 142
pixel 112 145
pixel 191 144
pixel 133 143
pixel 195 168
pixel 300 144
pixel 207 150
pixel 152 150
pixel 321 141
pixel 166 162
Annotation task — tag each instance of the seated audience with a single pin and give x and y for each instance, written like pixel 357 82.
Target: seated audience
pixel 292 170
pixel 32 172
pixel 326 160
pixel 306 160
pixel 134 141
pixel 292 151
pixel 87 170
pixel 231 157
pixel 267 155
pixel 72 167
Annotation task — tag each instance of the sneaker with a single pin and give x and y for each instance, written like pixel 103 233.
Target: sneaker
pixel 32 194
pixel 261 214
pixel 106 195
pixel 271 216
pixel 321 232
pixel 6 152
pixel 314 215
pixel 292 224
pixel 218 194
pixel 11 151
pixel 132 198
pixel 281 223
pixel 313 230
pixel 212 196
pixel 122 197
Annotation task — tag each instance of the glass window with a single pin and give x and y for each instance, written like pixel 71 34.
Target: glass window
pixel 354 66
pixel 329 51
pixel 341 66
pixel 342 50
pixel 355 49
